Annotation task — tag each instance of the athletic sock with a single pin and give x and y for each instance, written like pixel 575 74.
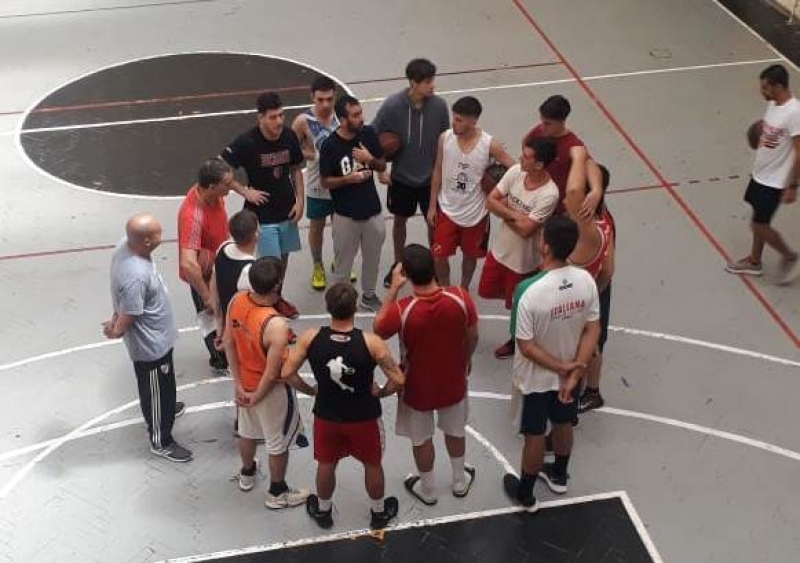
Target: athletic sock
pixel 278 488
pixel 428 483
pixel 526 482
pixel 376 505
pixel 560 465
pixel 459 478
pixel 251 471
pixel 591 390
pixel 325 504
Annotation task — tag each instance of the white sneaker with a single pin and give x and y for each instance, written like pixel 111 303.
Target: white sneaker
pixel 246 482
pixel 292 497
pixel 790 269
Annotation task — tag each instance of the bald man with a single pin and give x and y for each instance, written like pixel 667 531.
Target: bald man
pixel 143 319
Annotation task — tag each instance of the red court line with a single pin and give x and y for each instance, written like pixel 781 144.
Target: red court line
pixel 236 93
pixel 657 173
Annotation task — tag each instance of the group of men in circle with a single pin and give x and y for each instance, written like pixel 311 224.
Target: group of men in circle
pixel 550 259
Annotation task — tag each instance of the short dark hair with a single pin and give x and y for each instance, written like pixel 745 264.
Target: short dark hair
pixel 265 274
pixel 341 301
pixel 418 70
pixel 243 226
pixel 560 233
pixel 345 101
pixel 417 263
pixel 544 149
pixel 468 106
pixel 211 172
pixel 267 101
pixel 322 83
pixel 555 107
pixel 775 75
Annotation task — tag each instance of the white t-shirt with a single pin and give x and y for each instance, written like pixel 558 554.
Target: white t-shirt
pixel 461 197
pixel 553 311
pixel 511 250
pixel 775 153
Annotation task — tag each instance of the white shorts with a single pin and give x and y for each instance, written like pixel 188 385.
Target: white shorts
pixel 275 419
pixel 418 425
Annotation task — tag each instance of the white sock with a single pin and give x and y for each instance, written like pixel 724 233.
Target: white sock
pixel 325 504
pixel 376 504
pixel 459 477
pixel 428 482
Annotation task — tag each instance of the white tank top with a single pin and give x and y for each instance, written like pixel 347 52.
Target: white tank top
pixel 318 133
pixel 461 197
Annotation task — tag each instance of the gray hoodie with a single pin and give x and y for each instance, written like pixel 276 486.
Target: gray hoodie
pixel 419 131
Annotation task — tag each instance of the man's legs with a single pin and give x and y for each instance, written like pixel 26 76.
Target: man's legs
pixel 418 427
pixel 316 231
pixel 346 235
pixel 205 320
pixel 468 266
pixel 766 234
pixel 373 234
pixel 399 234
pixel 442 268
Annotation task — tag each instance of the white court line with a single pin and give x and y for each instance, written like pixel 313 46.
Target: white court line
pixel 755 33
pixel 624 330
pixel 127 122
pixel 644 535
pixel 354 534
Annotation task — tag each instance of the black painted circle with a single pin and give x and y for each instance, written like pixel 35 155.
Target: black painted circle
pixel 159 157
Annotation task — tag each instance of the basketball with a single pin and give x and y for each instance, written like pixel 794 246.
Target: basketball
pixel 754 134
pixel 491 176
pixel 390 144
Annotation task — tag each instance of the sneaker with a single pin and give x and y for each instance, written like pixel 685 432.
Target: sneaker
pixel 505 351
pixel 413 485
pixel 790 269
pixel 387 280
pixel 556 483
pixel 283 307
pixel 511 486
pixel 173 452
pixel 460 490
pixel 247 482
pixel 323 518
pixel 318 281
pixel 745 266
pixel 292 497
pixel 371 303
pixel 380 520
pixel 180 409
pixel 590 400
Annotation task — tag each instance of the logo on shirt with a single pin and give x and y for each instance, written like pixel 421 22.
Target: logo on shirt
pixel 566 310
pixel 338 369
pixel 565 284
pixel 278 158
pixel 771 136
pixel 516 203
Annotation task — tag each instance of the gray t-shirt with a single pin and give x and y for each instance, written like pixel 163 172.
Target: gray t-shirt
pixel 138 290
pixel 419 130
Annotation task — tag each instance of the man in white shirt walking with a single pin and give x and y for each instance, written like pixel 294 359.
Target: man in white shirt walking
pixel 775 174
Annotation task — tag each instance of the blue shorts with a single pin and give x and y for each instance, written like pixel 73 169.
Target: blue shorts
pixel 277 239
pixel 317 208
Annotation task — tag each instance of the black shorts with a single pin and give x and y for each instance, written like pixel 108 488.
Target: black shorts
pixel 605 314
pixel 537 408
pixel 764 200
pixel 402 199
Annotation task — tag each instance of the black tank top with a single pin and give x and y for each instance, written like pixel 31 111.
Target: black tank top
pixel 227 270
pixel 344 370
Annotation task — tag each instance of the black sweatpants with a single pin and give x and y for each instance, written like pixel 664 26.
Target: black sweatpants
pixel 156 381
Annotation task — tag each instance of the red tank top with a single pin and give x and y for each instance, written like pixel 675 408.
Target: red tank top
pixel 605 226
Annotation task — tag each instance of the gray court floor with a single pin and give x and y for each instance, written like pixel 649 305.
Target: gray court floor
pixel 701 375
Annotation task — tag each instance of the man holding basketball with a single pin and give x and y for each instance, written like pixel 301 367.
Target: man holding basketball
pixel 775 174
pixel 417 116
pixel 458 212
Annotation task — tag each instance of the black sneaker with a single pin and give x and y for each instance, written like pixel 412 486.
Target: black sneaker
pixel 590 400
pixel 180 409
pixel 323 518
pixel 380 520
pixel 556 483
pixel 511 486
pixel 173 452
pixel 387 280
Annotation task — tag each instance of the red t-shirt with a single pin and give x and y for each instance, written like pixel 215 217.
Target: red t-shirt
pixel 202 227
pixel 559 168
pixel 432 329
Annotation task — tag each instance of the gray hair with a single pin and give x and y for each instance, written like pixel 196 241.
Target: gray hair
pixel 212 171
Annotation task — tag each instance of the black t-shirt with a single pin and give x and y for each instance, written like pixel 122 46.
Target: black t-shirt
pixel 344 370
pixel 268 166
pixel 356 201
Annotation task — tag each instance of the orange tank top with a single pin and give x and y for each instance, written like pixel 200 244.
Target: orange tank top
pixel 248 321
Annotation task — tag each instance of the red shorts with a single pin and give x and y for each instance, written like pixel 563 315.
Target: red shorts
pixel 498 281
pixel 447 236
pixel 336 440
